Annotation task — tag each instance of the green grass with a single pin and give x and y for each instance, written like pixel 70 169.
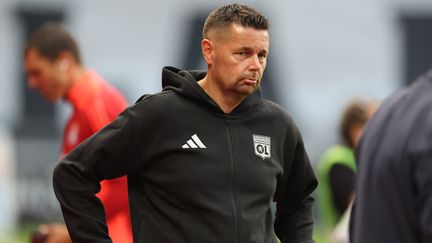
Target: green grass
pixel 20 235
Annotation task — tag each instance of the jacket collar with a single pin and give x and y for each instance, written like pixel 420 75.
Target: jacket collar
pixel 185 83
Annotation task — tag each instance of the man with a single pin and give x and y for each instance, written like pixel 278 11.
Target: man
pixel 394 189
pixel 336 168
pixel 204 157
pixel 53 64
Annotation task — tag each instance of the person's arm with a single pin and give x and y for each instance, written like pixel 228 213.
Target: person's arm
pixel 108 154
pixel 342 184
pixel 113 194
pixel 294 213
pixel 53 233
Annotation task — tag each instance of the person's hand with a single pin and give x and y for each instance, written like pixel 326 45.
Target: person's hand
pixel 55 233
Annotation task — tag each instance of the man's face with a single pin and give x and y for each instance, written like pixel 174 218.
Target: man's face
pixel 44 75
pixel 239 59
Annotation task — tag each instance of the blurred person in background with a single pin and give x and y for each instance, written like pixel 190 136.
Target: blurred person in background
pixel 337 170
pixel 204 157
pixel 394 157
pixel 54 67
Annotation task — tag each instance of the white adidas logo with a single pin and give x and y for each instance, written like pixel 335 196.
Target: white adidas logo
pixel 195 142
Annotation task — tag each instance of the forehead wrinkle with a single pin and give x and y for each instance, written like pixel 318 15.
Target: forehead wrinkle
pixel 250 44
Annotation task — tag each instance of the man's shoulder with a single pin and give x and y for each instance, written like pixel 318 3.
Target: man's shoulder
pixel 156 97
pixel 275 109
pixel 155 101
pixel 279 116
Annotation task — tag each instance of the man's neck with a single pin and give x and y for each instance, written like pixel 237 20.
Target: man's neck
pixel 77 73
pixel 227 102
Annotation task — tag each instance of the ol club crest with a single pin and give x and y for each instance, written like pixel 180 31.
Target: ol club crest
pixel 262 146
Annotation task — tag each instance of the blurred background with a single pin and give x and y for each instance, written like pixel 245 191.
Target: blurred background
pixel 322 55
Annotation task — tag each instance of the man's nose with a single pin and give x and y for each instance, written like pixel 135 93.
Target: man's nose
pixel 255 63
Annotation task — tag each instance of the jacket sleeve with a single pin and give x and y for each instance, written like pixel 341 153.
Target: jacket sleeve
pixel 420 153
pixel 423 177
pixel 294 213
pixel 108 154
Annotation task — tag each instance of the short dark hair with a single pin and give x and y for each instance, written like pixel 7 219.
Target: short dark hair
pixel 50 40
pixel 235 13
pixel 356 113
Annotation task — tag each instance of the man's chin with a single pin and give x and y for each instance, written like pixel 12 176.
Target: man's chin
pixel 248 89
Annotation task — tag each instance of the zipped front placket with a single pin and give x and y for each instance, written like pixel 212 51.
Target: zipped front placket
pixel 234 203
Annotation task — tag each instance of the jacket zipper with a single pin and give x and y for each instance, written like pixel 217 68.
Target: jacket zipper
pixel 234 202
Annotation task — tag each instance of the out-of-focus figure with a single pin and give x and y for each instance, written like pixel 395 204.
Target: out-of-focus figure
pixel 394 157
pixel 54 67
pixel 337 169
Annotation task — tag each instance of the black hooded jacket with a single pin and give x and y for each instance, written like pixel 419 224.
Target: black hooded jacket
pixel 195 174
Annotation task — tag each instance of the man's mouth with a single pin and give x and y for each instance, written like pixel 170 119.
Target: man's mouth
pixel 250 81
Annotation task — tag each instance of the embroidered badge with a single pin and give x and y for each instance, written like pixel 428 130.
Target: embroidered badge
pixel 262 146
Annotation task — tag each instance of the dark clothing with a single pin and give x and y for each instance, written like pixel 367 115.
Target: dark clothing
pixel 394 189
pixel 195 174
pixel 342 184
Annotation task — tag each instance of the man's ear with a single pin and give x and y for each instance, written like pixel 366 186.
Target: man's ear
pixel 207 48
pixel 64 64
pixel 65 60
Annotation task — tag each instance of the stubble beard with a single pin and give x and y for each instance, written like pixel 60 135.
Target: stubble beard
pixel 246 88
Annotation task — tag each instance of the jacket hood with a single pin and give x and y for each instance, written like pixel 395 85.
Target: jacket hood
pixel 185 83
